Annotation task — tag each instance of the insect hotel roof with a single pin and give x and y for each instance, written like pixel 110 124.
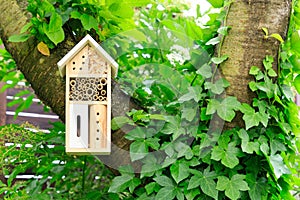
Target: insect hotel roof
pixel 87 40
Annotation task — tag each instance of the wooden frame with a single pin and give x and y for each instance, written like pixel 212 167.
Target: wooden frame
pixel 88 70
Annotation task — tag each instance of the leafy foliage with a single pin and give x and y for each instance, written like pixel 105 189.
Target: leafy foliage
pixel 55 174
pixel 170 69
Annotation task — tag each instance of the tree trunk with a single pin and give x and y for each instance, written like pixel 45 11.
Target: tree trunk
pixel 245 44
pixel 42 73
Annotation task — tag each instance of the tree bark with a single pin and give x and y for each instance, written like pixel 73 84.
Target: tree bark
pixel 42 73
pixel 246 46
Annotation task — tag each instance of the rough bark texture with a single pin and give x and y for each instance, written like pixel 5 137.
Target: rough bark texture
pixel 245 45
pixel 42 73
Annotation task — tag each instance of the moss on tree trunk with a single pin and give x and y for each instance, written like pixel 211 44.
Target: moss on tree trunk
pixel 245 44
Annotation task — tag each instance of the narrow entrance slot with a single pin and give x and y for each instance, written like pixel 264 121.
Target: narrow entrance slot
pixel 78 125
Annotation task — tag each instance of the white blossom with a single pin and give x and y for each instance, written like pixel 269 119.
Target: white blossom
pixel 178 55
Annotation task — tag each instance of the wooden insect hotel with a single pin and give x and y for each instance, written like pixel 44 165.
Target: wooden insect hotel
pixel 88 69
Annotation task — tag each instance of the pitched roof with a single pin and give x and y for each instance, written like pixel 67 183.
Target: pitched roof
pixel 78 47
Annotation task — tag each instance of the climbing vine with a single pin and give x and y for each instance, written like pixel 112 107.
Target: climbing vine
pixel 170 68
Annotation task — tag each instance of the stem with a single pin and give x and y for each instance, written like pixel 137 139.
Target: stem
pixel 83 174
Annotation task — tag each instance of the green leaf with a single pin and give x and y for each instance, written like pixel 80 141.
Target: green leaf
pixel 227 107
pixel 54 30
pixel 219 60
pixel 88 22
pixel 224 30
pixel 272 73
pixel 232 187
pixel 278 166
pixel 265 30
pixel 208 185
pixel 218 87
pixel 183 150
pixel 251 120
pixel 121 10
pixel 189 113
pixel 194 182
pixel 254 70
pixel 136 134
pixel 227 156
pixel 138 150
pixel 212 106
pixel 213 41
pixel 153 143
pixel 151 187
pixel 119 122
pixel 205 71
pixel 247 147
pixel 195 92
pixel 257 187
pixel 216 3
pixel 19 38
pixel 120 183
pixel 179 171
pixel 164 181
pixel 297 83
pixel 166 193
pixel 149 168
pixel 278 37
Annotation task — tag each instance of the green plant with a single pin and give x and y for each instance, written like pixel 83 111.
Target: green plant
pixel 56 175
pixel 179 138
pixel 183 156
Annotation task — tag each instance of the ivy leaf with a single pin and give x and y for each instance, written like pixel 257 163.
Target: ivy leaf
pixel 206 183
pixel 227 156
pixel 278 166
pixel 205 71
pixel 225 109
pixel 257 187
pixel 184 150
pixel 213 41
pixel 297 83
pixel 218 87
pixel 138 150
pixel 232 187
pixel 166 193
pixel 254 70
pixel 179 171
pixel 224 30
pixel 54 30
pixel 195 92
pixel 251 120
pixel 277 36
pixel 136 134
pixel 151 187
pixel 19 38
pixel 120 183
pixel 216 3
pixel 189 113
pixel 219 60
pixel 164 181
pixel 88 22
pixel 247 147
pixel 153 143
